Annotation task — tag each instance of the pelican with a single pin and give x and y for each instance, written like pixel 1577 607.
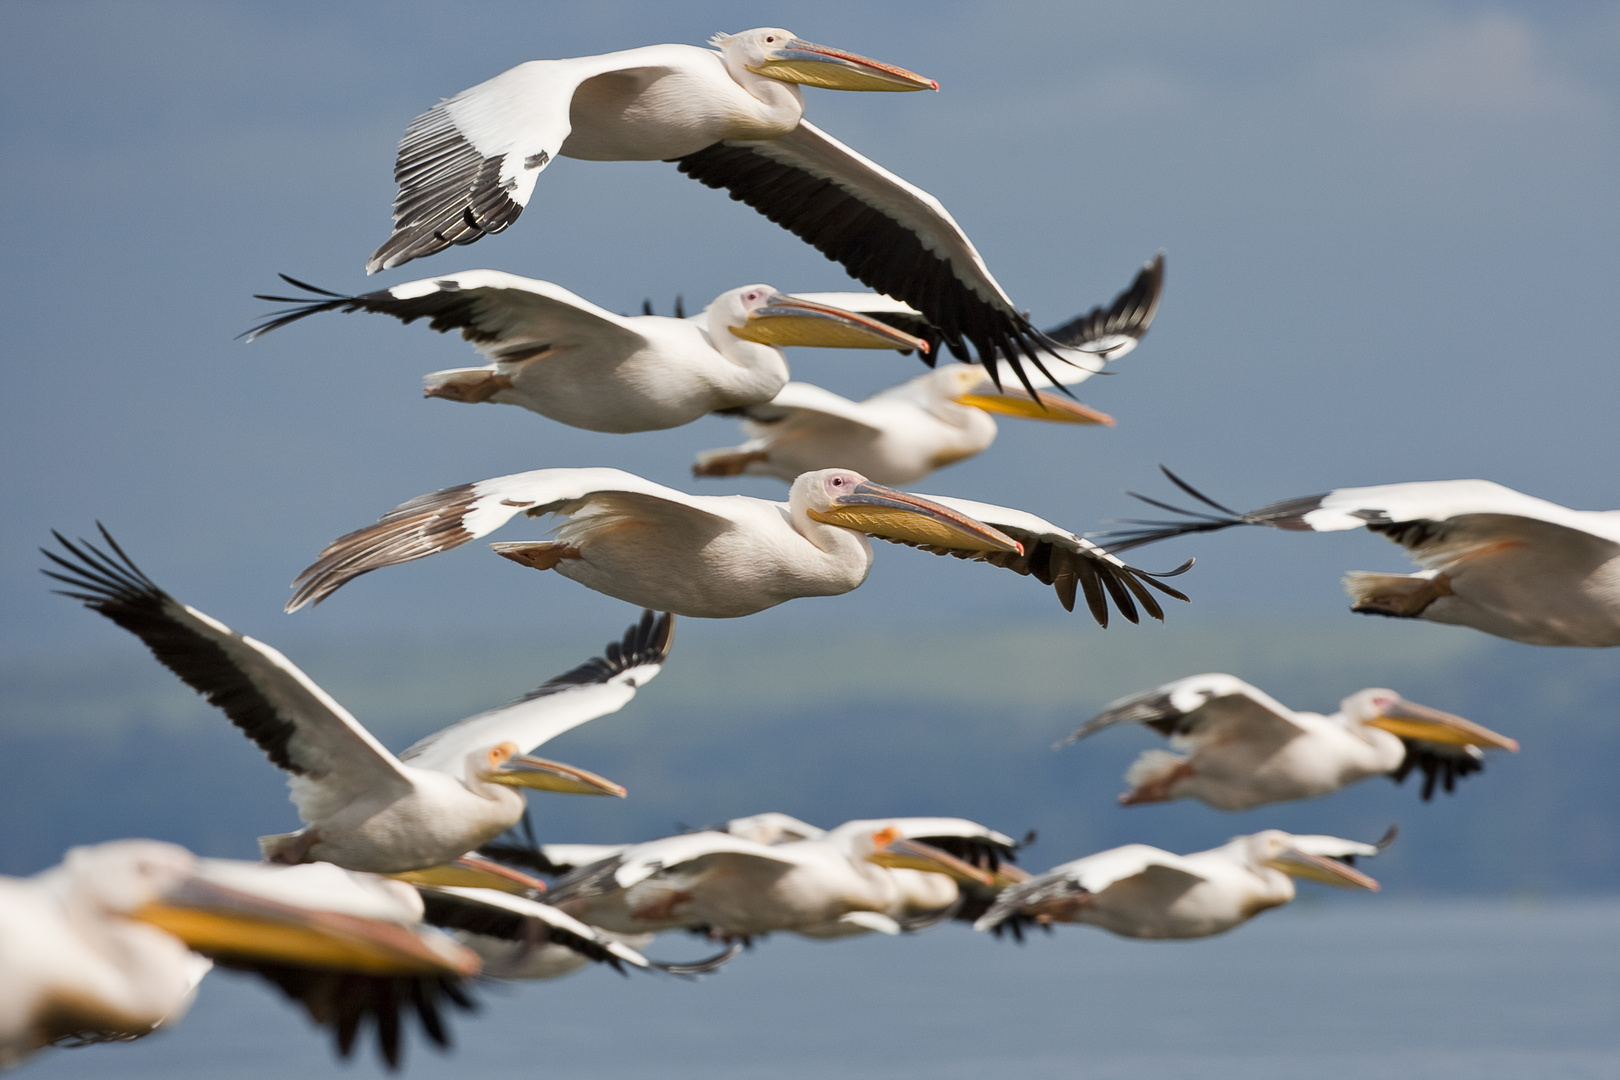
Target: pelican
pixel 731 118
pixel 719 557
pixel 861 877
pixel 561 356
pixel 902 434
pixel 1494 559
pixel 1246 749
pixel 1141 892
pixel 366 809
pixel 112 943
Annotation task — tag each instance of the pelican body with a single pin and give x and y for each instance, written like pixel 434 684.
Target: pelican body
pixel 1494 559
pixel 1245 749
pixel 863 876
pixel 1142 892
pixel 731 118
pixel 367 809
pixel 718 557
pixel 559 355
pixel 904 433
pixel 112 943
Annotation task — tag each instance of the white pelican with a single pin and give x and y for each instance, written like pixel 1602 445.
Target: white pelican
pixel 719 557
pixel 900 435
pixel 1141 892
pixel 730 118
pixel 367 809
pixel 862 876
pixel 561 356
pixel 1246 749
pixel 1494 559
pixel 106 946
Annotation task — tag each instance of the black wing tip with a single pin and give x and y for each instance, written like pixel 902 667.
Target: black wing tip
pixel 647 642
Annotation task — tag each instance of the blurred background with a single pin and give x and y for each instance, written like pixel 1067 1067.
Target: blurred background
pixel 1391 232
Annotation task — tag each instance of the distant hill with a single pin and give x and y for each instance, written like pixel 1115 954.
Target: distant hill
pixel 837 723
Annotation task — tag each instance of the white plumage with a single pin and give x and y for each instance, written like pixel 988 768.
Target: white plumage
pixel 1245 749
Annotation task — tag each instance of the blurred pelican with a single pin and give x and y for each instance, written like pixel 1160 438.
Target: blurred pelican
pixel 719 557
pixel 730 118
pixel 1494 559
pixel 561 356
pixel 861 877
pixel 112 943
pixel 1245 749
pixel 904 433
pixel 367 809
pixel 1141 892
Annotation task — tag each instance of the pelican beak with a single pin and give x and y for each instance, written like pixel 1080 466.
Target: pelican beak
pixel 223 922
pixel 1008 875
pixel 1043 406
pixel 1296 863
pixel 834 69
pixel 474 871
pixel 894 850
pixel 531 772
pixel 894 515
pixel 1410 720
pixel 788 320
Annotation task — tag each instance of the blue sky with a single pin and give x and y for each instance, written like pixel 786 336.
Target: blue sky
pixel 1391 233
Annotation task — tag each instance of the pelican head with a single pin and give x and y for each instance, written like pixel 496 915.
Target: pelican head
pixel 504 765
pixel 966 384
pixel 760 314
pixel 849 500
pixel 776 54
pixel 1380 708
pixel 886 847
pixel 1283 851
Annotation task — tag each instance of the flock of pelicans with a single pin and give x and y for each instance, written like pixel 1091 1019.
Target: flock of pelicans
pixel 400 890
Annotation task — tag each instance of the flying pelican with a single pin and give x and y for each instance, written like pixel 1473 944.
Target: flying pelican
pixel 1494 559
pixel 1247 749
pixel 848 881
pixel 365 808
pixel 1141 892
pixel 112 943
pixel 900 435
pixel 561 356
pixel 730 118
pixel 719 557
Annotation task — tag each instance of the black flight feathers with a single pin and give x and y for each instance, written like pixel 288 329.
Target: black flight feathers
pixel 646 642
pixel 446 308
pixel 114 586
pixel 1288 514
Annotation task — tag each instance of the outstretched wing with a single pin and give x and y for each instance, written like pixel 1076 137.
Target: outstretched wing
pixel 448 518
pixel 1069 563
pixel 507 318
pixel 489 913
pixel 1090 875
pixel 467 166
pixel 595 688
pixel 296 723
pixel 892 236
pixel 804 404
pixel 1210 706
pixel 671 855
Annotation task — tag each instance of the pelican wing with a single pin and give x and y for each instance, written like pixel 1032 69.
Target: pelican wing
pixel 804 404
pixel 507 318
pixel 885 232
pixel 489 913
pixel 596 688
pixel 467 167
pixel 1210 706
pixel 1090 875
pixel 1069 563
pixel 448 518
pixel 296 723
pixel 671 855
